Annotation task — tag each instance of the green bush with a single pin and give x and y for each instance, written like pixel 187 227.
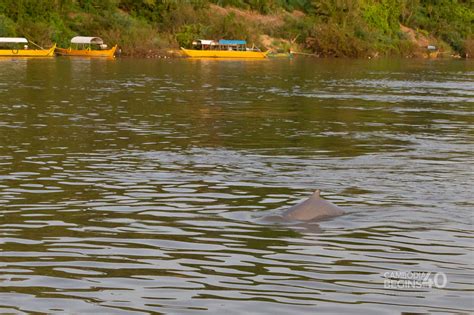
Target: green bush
pixel 187 34
pixel 60 33
pixel 7 27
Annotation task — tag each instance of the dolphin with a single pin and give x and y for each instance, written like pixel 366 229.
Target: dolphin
pixel 313 208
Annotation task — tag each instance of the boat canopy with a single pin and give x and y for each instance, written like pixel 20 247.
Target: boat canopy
pixel 13 40
pixel 86 40
pixel 204 42
pixel 232 42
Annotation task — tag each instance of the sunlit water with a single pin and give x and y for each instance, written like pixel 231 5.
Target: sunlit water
pixel 135 186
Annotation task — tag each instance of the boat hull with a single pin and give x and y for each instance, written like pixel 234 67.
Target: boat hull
pixel 223 54
pixel 28 52
pixel 108 53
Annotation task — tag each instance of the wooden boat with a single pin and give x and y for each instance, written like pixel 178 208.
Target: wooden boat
pixel 84 46
pixel 222 49
pixel 18 47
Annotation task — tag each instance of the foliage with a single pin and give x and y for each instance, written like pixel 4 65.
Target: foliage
pixel 7 27
pixel 451 20
pixel 327 27
pixel 188 33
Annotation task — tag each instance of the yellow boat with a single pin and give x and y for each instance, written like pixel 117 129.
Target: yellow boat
pixel 87 47
pixel 222 49
pixel 18 47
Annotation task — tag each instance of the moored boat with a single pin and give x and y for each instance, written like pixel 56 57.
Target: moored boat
pixel 223 49
pixel 19 47
pixel 85 46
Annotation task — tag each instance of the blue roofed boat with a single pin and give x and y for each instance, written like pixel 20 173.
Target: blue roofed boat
pixel 224 48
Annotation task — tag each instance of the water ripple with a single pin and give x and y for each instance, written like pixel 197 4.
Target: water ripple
pixel 143 186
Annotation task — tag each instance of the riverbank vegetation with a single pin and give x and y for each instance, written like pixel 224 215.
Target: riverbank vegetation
pixel 338 28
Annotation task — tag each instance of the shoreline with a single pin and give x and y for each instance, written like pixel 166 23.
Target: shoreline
pixel 172 53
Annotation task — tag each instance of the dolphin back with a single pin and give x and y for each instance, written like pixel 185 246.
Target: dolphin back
pixel 313 208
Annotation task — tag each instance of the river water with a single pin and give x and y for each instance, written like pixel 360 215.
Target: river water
pixel 134 186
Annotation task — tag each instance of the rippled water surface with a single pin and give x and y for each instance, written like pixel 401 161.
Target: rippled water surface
pixel 136 186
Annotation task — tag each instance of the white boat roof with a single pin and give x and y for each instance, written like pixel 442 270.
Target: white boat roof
pixel 86 40
pixel 13 40
pixel 207 42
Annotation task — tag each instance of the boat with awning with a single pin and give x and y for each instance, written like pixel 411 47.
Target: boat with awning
pixel 20 47
pixel 87 46
pixel 224 48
